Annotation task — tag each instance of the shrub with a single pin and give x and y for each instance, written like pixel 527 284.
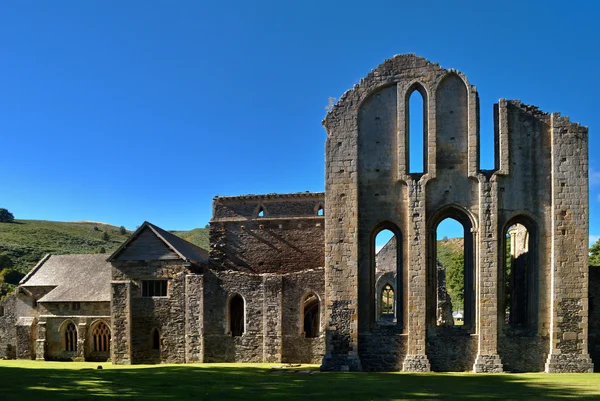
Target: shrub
pixel 122 230
pixel 12 276
pixel 6 216
pixel 105 236
pixel 5 261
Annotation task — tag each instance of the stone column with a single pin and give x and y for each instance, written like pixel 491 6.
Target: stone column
pixel 82 342
pixel 569 259
pixel 487 360
pixel 194 317
pixel 121 323
pixel 40 343
pixel 272 316
pixel 416 356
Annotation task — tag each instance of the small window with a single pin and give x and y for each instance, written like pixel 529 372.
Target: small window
pixel 261 212
pixel 71 338
pixel 154 288
pixel 320 211
pixel 155 339
pixel 75 306
pixel 1 311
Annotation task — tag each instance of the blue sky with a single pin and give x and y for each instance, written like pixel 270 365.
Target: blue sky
pixel 122 112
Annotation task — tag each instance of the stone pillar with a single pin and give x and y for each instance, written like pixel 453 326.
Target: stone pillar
pixel 40 343
pixel 24 328
pixel 194 317
pixel 120 348
pixel 416 356
pixel 569 259
pixel 272 317
pixel 487 360
pixel 82 342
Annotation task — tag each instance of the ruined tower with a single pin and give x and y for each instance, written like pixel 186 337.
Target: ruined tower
pixel 539 182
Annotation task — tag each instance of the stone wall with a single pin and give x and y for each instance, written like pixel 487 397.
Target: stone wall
pixel 288 238
pixel 8 333
pixel 135 320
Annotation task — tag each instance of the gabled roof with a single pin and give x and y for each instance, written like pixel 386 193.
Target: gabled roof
pixel 184 249
pixel 75 278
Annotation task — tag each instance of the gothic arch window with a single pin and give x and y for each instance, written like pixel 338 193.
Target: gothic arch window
pixel 70 337
pixel 386 275
pixel 416 129
pixel 387 302
pixel 236 315
pixel 260 212
pixel 520 274
pixel 320 210
pixel 155 339
pixel 451 269
pixel 310 315
pixel 101 337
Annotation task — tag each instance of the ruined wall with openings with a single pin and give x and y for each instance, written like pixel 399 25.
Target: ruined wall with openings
pixel 539 181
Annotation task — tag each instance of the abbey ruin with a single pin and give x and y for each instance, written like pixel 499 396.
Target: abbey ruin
pixel 297 277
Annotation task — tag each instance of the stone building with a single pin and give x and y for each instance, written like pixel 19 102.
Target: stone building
pixel 296 277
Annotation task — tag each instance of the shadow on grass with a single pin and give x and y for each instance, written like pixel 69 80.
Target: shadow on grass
pixel 240 383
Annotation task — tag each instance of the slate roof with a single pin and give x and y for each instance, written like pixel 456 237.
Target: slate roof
pixel 186 250
pixel 76 278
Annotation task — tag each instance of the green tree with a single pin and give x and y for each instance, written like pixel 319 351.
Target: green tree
pixel 455 279
pixel 5 261
pixel 6 216
pixel 105 236
pixel 122 230
pixel 11 276
pixel 595 254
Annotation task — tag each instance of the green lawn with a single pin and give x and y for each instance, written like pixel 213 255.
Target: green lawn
pixel 30 380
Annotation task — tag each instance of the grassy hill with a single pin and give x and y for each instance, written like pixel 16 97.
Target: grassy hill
pixel 25 242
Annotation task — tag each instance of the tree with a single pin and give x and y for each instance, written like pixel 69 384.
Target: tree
pixel 12 276
pixel 6 216
pixel 122 230
pixel 5 261
pixel 105 236
pixel 595 254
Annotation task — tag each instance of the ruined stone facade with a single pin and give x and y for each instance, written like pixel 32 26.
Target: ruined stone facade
pixel 539 181
pixel 296 277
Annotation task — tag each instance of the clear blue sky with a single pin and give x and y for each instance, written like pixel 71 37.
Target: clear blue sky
pixel 144 110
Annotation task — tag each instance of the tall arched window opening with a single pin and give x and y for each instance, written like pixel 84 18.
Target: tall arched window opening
pixel 155 339
pixel 71 338
pixel 520 277
pixel 387 278
pixel 101 337
pixel 261 212
pixel 451 270
pixel 310 307
pixel 416 130
pixel 236 315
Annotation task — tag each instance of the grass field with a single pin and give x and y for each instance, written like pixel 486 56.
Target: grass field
pixel 30 380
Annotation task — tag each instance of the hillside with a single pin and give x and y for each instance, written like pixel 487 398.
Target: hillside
pixel 24 242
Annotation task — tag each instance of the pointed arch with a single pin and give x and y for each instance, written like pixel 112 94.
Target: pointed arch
pixel 468 222
pixel 519 273
pixel 261 211
pixel 310 315
pixel 387 264
pixel 319 209
pixel 101 336
pixel 69 335
pixel 416 128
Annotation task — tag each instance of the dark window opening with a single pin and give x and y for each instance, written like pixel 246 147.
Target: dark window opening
pixel 1 311
pixel 75 306
pixel 71 338
pixel 101 338
pixel 236 315
pixel 519 278
pixel 154 288
pixel 155 339
pixel 311 316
